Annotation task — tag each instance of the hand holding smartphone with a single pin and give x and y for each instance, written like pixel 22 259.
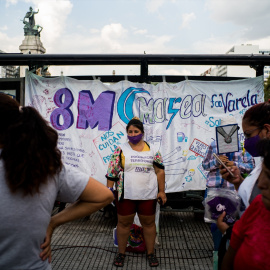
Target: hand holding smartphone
pixel 223 164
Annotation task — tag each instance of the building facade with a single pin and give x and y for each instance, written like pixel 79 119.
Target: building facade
pixel 9 71
pixel 239 71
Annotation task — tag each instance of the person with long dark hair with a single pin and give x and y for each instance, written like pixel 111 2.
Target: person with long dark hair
pixel 32 177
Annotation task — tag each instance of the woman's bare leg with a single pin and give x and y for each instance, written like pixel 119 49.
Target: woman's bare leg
pixel 123 230
pixel 149 232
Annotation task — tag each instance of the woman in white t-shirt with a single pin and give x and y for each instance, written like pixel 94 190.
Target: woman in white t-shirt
pixel 137 169
pixel 32 177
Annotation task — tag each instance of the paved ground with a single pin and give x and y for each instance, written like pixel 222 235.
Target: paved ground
pixel 184 243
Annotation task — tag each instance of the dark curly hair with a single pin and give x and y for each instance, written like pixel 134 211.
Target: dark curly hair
pixel 29 147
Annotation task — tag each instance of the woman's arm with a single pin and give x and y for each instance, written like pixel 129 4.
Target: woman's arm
pixel 94 197
pixel 161 184
pixel 110 183
pixel 228 260
pixel 114 167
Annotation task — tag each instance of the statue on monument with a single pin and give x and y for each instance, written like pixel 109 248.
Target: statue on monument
pixel 30 27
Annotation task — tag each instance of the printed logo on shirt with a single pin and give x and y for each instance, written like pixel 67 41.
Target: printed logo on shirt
pixel 142 169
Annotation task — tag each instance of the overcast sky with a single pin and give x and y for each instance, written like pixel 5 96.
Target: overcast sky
pixel 138 26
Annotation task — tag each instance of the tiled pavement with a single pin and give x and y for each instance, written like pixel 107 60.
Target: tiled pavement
pixel 184 243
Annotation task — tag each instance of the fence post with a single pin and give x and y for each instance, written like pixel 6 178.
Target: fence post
pixel 144 71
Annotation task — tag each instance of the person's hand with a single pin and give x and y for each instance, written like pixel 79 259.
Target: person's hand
pixel 229 163
pixel 223 158
pixel 161 197
pixel 46 246
pixel 236 180
pixel 222 226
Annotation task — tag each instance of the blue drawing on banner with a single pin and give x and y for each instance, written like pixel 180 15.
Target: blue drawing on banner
pixel 125 102
pixel 180 136
pixel 243 111
pixel 186 139
pixel 108 141
pixel 191 172
pixel 192 157
pixel 172 110
pixel 213 123
pixel 202 171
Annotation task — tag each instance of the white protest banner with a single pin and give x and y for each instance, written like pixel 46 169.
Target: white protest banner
pixel 180 119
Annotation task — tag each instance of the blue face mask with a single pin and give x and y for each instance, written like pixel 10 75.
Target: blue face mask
pixel 251 145
pixel 135 139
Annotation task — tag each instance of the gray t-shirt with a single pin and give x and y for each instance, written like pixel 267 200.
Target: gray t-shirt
pixel 24 219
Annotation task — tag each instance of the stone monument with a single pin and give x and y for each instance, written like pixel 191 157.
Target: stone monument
pixel 31 43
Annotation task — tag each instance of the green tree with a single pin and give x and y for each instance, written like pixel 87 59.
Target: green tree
pixel 267 89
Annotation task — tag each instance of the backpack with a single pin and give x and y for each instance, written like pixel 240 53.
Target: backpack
pixel 136 242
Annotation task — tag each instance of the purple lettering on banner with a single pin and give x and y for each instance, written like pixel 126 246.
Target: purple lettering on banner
pixel 63 110
pixel 231 104
pixel 225 102
pixel 92 113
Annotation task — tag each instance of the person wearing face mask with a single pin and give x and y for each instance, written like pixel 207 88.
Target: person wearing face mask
pixel 137 171
pixel 250 246
pixel 241 159
pixel 256 127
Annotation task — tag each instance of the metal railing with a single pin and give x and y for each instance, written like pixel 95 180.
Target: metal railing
pixel 34 61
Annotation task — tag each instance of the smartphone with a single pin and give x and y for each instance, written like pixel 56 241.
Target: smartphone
pixel 222 163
